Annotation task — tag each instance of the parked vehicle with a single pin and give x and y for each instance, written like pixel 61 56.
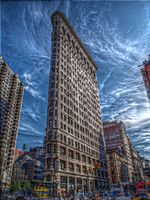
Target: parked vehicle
pixel 126 196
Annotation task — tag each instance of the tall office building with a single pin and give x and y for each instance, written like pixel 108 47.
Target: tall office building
pixel 75 152
pixel 11 94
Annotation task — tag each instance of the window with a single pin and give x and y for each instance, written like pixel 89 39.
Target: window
pixel 64 117
pixel 48 148
pixel 72 143
pixel 83 158
pixel 62 165
pixel 72 43
pixel 51 113
pixel 89 160
pixel 55 123
pixel 68 37
pixel 77 156
pixel 76 144
pixel 84 169
pixel 61 137
pixel 63 30
pixel 48 162
pixel 70 154
pixel 50 123
pixel 68 130
pixel 64 138
pixel 71 167
pixel 93 161
pixel 78 168
pixel 77 49
pixel 62 151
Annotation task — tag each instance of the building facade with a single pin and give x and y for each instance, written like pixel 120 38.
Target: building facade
pixel 146 75
pixel 75 157
pixel 116 139
pixel 20 169
pixel 145 168
pixel 29 166
pixel 137 166
pixel 117 167
pixel 11 95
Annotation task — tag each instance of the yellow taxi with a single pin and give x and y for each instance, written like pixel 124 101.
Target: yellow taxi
pixel 41 192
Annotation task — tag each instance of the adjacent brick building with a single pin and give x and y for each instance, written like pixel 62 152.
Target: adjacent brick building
pixel 117 166
pixel 145 168
pixel 137 165
pixel 146 75
pixel 118 142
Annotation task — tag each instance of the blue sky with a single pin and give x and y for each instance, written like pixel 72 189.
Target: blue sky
pixel 116 34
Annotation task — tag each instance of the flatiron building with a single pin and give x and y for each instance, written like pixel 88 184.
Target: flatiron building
pixel 75 152
pixel 11 94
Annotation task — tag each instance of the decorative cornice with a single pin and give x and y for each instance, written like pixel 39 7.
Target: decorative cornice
pixel 58 13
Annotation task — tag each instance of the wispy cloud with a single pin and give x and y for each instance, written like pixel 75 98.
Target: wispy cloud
pixel 31 86
pixel 116 37
pixel 119 49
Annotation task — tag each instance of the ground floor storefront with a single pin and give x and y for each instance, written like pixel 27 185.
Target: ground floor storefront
pixel 75 184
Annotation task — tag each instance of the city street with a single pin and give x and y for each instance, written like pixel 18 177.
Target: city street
pixel 77 197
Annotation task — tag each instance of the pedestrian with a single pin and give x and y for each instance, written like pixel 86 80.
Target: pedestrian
pixel 20 198
pixel 71 198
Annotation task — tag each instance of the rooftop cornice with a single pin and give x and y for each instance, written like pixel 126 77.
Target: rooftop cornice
pixel 13 73
pixel 113 123
pixel 58 13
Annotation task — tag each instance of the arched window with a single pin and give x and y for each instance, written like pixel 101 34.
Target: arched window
pixel 72 43
pixel 84 60
pixel 68 37
pixel 77 49
pixel 64 31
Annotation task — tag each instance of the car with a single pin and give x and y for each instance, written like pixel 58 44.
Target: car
pixel 80 195
pixel 105 197
pixel 142 196
pixel 124 196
